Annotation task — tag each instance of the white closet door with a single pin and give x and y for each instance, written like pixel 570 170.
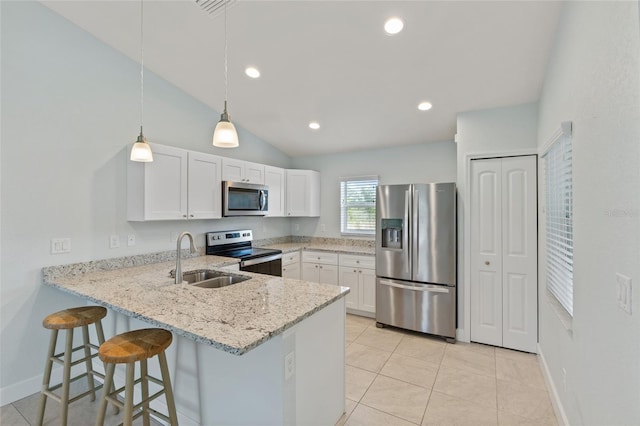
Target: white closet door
pixel 486 252
pixel 519 254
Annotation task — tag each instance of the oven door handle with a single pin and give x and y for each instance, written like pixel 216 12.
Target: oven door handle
pixel 258 260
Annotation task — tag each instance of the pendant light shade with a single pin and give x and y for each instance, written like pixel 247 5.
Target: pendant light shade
pixel 225 135
pixel 141 151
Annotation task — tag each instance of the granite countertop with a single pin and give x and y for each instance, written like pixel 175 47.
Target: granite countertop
pixel 234 319
pixel 336 248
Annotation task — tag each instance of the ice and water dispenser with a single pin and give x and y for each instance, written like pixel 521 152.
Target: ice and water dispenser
pixel 391 233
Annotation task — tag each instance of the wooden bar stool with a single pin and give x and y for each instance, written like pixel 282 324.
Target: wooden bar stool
pixel 68 320
pixel 127 348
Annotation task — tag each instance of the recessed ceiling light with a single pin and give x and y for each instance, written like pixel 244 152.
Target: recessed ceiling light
pixel 424 106
pixel 393 25
pixel 252 72
pixel 314 125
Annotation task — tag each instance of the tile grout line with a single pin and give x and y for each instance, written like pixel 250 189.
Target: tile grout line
pixel 21 415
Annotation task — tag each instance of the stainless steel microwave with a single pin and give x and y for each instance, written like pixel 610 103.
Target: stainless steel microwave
pixel 244 199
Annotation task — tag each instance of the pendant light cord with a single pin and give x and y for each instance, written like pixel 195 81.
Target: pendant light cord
pixel 226 83
pixel 141 64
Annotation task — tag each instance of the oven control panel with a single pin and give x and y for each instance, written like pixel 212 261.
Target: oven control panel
pixel 229 237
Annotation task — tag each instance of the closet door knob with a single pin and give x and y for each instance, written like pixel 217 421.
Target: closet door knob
pixel 486 262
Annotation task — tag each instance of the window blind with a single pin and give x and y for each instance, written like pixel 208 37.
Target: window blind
pixel 358 205
pixel 559 231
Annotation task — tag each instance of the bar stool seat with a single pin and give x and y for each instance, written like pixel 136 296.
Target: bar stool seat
pixel 129 348
pixel 70 319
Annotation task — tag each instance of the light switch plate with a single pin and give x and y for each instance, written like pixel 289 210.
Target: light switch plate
pixel 114 241
pixel 60 245
pixel 624 292
pixel 131 240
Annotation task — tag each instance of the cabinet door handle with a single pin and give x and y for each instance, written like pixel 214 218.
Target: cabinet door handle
pixel 184 215
pixel 191 215
pixel 354 270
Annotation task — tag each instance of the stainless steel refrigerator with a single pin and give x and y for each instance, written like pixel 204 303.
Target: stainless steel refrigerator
pixel 416 258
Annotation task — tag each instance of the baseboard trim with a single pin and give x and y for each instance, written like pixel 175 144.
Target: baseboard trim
pixel 17 391
pixel 561 416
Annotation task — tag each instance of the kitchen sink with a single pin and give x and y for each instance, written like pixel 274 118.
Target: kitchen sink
pixel 212 279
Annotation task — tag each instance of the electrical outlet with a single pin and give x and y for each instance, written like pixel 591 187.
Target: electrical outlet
pixel 114 241
pixel 624 292
pixel 60 245
pixel 296 227
pixel 131 240
pixel 290 365
pixel 323 228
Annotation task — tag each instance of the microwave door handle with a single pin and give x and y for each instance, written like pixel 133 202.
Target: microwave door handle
pixel 262 199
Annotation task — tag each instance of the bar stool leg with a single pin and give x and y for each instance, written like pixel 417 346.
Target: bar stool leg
pixel 168 391
pixel 128 394
pixel 87 355
pixel 108 382
pixel 112 388
pixel 144 383
pixel 46 379
pixel 64 398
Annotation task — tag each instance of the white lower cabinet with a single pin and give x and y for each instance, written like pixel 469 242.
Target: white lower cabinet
pixel 291 265
pixel 358 273
pixel 320 267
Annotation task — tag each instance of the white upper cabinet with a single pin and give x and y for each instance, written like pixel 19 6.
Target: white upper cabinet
pixel 181 184
pixel 274 179
pixel 242 171
pixel 303 193
pixel 158 190
pixel 177 185
pixel 205 186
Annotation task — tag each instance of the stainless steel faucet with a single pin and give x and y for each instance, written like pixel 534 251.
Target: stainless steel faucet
pixel 179 255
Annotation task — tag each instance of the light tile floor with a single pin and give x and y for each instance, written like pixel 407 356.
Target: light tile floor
pixel 81 413
pixel 396 377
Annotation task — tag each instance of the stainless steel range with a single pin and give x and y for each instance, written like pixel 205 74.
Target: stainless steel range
pixel 238 244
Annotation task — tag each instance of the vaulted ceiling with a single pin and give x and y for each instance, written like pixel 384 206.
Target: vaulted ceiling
pixel 332 62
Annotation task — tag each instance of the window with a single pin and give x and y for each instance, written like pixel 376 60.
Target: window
pixel 358 205
pixel 559 232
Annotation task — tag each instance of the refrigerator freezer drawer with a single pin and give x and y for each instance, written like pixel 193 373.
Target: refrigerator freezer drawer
pixel 419 307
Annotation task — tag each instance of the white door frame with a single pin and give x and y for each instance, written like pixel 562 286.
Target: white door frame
pixel 464 334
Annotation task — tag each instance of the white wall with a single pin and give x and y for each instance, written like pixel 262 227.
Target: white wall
pixel 593 80
pixel 485 133
pixel 70 111
pixel 423 163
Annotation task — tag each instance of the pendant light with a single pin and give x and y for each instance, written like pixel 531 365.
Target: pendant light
pixel 141 151
pixel 225 135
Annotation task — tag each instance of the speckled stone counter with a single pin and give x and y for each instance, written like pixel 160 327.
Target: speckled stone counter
pixel 234 319
pixel 332 247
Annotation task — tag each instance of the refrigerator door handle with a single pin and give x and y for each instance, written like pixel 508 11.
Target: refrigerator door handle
pixel 416 234
pixel 409 287
pixel 407 234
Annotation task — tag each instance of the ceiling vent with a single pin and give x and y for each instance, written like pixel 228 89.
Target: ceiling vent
pixel 215 7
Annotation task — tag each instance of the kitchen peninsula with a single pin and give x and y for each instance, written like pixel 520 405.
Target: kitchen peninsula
pixel 264 351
